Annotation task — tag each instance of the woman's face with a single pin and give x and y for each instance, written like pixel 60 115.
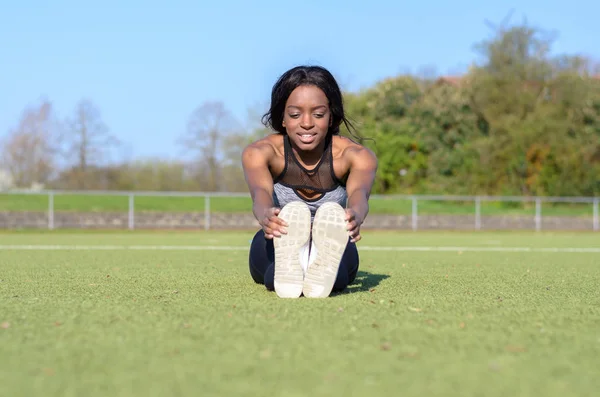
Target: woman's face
pixel 307 117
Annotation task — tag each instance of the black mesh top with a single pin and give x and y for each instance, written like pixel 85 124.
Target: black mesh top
pixel 309 184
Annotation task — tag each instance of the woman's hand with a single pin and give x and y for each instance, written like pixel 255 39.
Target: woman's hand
pixel 353 225
pixel 272 225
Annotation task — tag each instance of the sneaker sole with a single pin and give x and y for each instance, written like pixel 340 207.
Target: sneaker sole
pixel 330 238
pixel 289 275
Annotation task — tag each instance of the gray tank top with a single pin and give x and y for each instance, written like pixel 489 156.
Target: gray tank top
pixel 296 182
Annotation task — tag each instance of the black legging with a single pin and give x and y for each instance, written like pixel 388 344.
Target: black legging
pixel 262 263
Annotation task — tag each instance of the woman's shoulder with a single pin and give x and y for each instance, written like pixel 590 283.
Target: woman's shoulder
pixel 345 147
pixel 265 147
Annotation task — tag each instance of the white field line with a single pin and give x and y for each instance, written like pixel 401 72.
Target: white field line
pixel 19 247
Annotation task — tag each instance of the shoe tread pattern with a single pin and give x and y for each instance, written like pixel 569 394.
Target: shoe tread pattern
pixel 289 274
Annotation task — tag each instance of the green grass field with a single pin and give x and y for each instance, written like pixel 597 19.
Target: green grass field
pixel 121 316
pixel 242 204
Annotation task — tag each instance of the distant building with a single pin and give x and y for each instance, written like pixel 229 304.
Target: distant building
pixel 6 180
pixel 451 80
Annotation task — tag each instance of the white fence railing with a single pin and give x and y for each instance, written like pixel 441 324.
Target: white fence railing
pixel 414 213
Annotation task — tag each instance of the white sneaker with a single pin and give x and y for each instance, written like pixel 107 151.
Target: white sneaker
pixel 289 275
pixel 330 238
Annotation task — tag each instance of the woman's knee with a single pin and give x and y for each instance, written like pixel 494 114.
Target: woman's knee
pixel 348 268
pixel 260 257
pixel 352 261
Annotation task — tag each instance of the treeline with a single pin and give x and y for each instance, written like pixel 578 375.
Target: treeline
pixel 80 153
pixel 520 122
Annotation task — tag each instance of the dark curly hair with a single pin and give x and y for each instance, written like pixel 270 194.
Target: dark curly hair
pixel 306 75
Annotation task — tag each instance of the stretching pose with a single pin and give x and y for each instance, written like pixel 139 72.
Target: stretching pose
pixel 310 189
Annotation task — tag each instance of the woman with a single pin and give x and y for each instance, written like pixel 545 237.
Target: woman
pixel 309 187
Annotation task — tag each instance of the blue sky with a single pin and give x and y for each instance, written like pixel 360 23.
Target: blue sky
pixel 148 64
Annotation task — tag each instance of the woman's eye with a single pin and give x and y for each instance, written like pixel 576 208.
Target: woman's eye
pixel 296 115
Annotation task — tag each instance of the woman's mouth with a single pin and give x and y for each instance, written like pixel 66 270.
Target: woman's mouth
pixel 307 138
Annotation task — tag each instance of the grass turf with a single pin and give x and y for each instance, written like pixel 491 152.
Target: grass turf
pixel 123 323
pixel 68 202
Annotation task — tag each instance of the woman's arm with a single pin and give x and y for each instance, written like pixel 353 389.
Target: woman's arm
pixel 255 162
pixel 363 167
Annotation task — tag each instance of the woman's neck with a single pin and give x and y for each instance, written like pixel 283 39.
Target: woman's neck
pixel 310 158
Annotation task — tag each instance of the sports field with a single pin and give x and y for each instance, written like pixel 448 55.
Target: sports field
pixel 431 314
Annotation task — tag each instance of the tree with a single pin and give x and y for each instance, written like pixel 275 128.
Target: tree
pixel 29 151
pixel 446 128
pixel 521 121
pixel 381 115
pixel 533 105
pixel 88 141
pixel 207 130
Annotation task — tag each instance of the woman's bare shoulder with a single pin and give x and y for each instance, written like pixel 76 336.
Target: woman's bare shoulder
pixel 263 149
pixel 346 148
